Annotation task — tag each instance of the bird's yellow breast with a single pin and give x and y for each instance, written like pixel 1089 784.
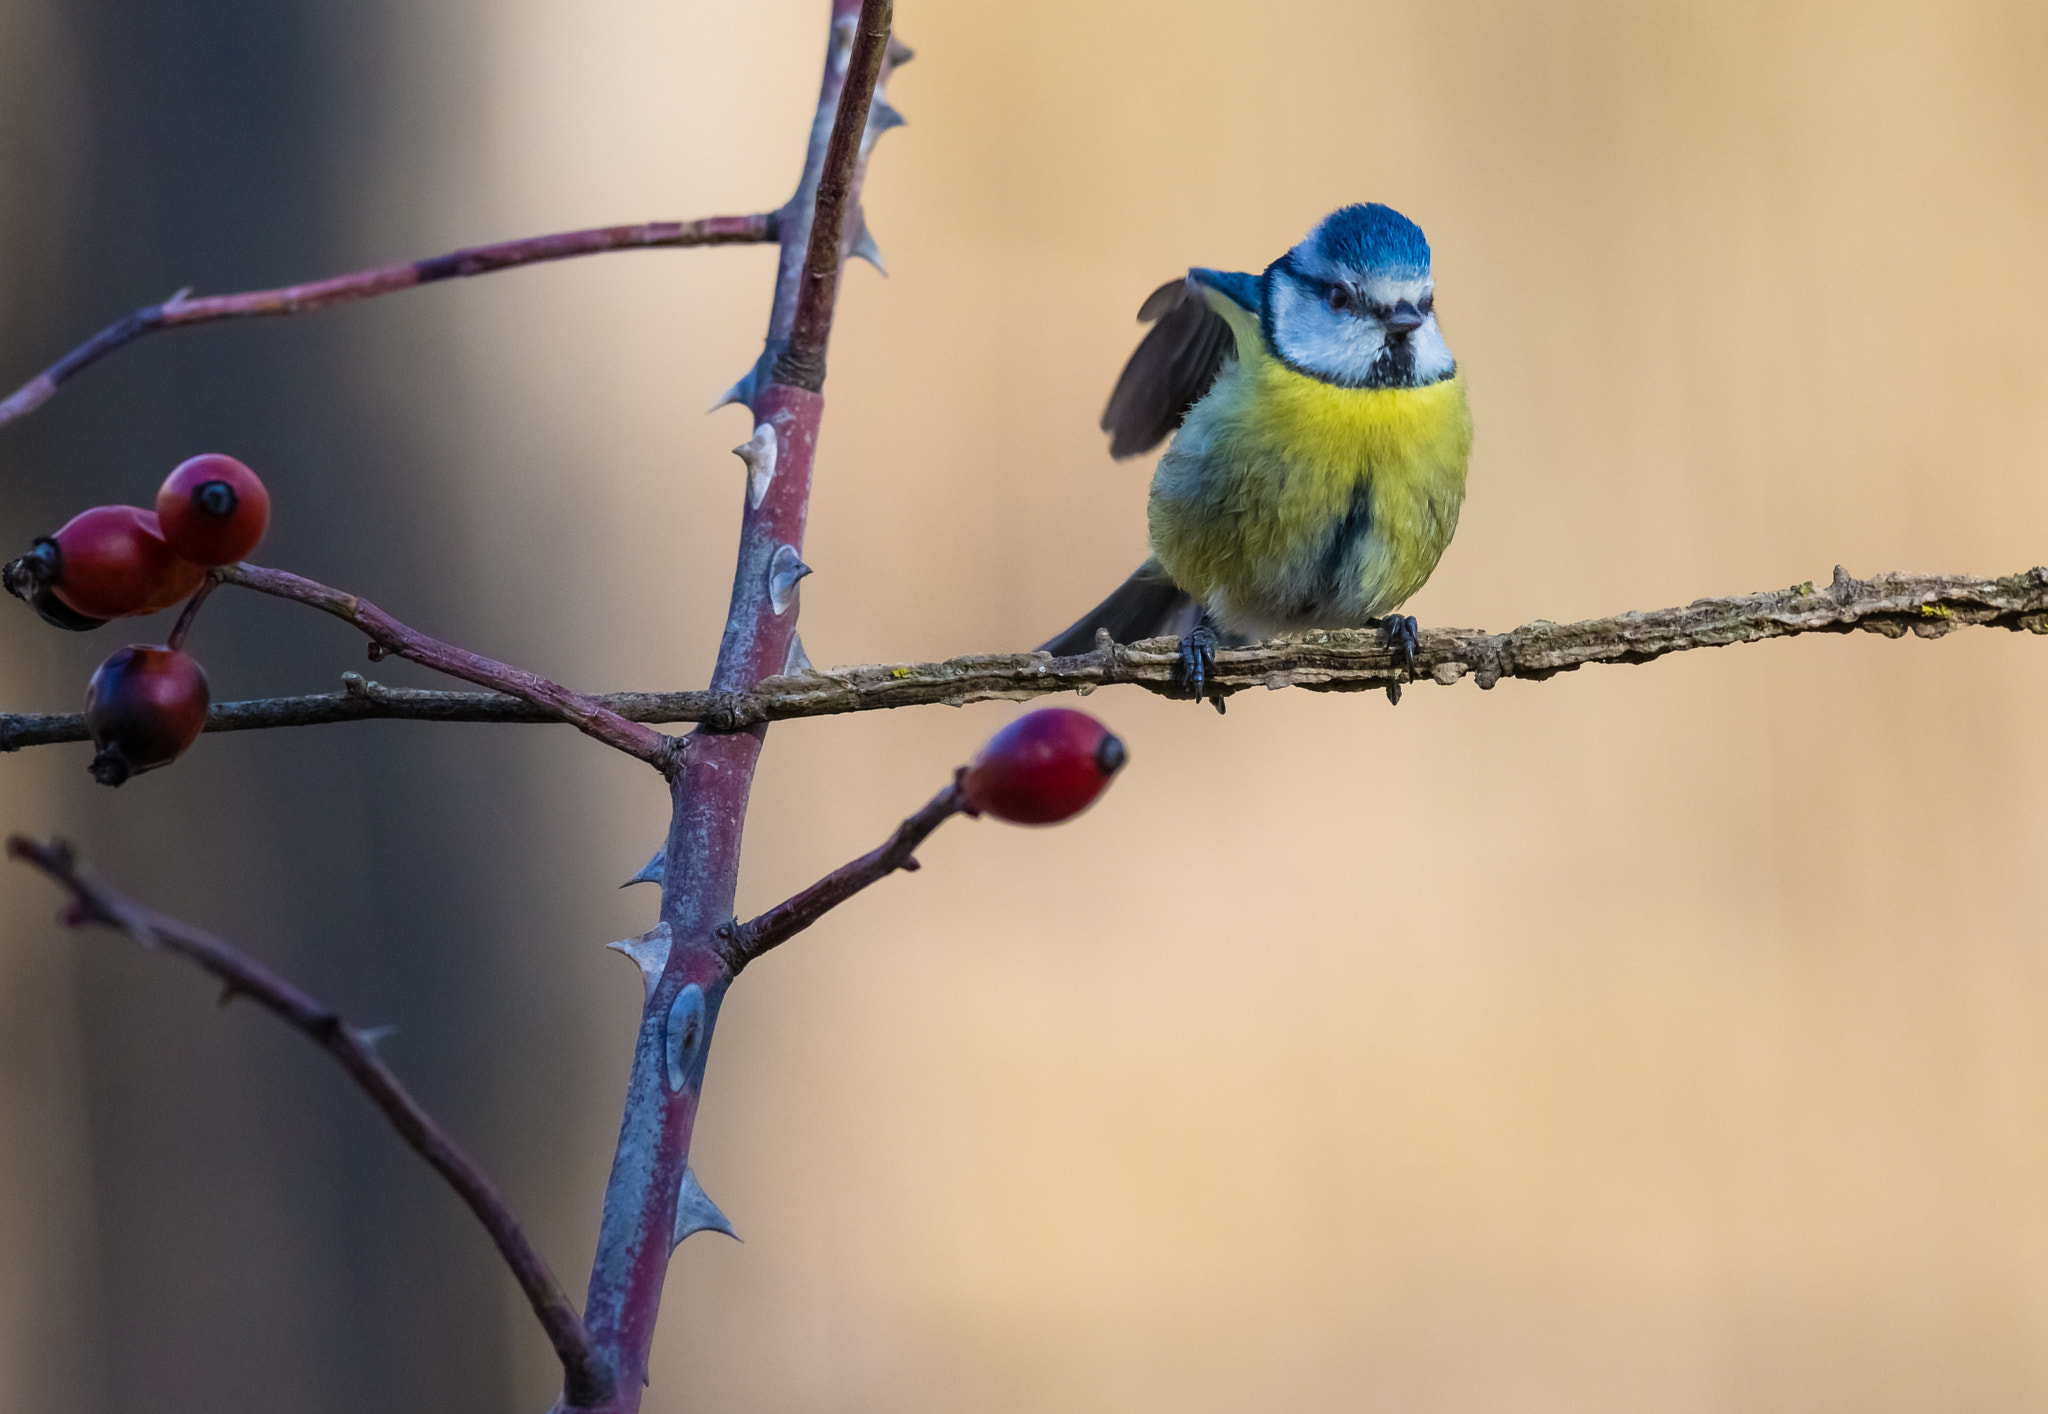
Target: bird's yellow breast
pixel 1286 502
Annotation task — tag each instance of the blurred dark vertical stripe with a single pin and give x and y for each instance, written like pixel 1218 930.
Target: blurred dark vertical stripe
pixel 261 1243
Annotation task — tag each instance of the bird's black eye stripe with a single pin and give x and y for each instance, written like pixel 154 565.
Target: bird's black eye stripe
pixel 1343 298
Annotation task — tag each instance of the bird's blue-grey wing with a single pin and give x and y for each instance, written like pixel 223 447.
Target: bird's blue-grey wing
pixel 1174 365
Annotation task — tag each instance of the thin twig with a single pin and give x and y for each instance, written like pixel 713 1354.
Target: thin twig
pixel 180 312
pixel 802 362
pixel 1890 606
pixel 798 912
pixel 585 1379
pixel 388 636
pixel 183 627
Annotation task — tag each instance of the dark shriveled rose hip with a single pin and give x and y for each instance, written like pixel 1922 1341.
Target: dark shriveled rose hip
pixel 1045 767
pixel 28 579
pixel 144 706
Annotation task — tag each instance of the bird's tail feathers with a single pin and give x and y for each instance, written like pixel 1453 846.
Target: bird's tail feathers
pixel 1147 605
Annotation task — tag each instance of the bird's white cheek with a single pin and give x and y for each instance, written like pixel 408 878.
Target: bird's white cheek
pixel 1317 338
pixel 1433 359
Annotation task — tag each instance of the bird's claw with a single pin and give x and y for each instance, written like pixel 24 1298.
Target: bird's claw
pixel 1197 662
pixel 1400 633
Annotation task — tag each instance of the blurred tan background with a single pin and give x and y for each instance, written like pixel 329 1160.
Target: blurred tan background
pixel 1665 1037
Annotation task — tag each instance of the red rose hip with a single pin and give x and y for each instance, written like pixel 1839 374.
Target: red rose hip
pixel 144 706
pixel 214 510
pixel 110 562
pixel 1045 767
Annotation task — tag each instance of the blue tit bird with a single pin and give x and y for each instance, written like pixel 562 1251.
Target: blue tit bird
pixel 1320 437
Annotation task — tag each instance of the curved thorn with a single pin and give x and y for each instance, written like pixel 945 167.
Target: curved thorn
pixel 864 248
pixel 651 872
pixel 649 953
pixel 784 570
pixel 740 392
pixel 758 452
pixel 797 660
pixel 695 1212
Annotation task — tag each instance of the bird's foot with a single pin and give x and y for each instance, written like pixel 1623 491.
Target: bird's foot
pixel 1400 633
pixel 1198 661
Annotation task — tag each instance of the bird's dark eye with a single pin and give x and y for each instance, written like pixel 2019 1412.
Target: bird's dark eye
pixel 1427 302
pixel 1339 297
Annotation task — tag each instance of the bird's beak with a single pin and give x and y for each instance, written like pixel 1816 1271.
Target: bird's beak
pixel 1405 320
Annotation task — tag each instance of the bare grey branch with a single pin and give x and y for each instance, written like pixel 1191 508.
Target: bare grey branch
pixel 1891 606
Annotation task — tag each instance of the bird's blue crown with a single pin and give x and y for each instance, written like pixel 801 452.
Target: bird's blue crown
pixel 1372 237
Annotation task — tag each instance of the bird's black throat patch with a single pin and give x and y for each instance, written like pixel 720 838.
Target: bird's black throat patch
pixel 1395 366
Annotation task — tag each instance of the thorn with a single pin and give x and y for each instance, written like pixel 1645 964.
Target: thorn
pixel 899 52
pixel 651 872
pixel 695 1212
pixel 910 864
pixel 798 661
pixel 372 1036
pixel 758 452
pixel 784 570
pixel 179 298
pixel 355 685
pixel 881 118
pixel 865 249
pixel 740 392
pixel 685 1032
pixel 649 952
pixel 228 992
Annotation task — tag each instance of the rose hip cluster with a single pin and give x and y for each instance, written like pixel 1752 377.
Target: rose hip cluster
pixel 145 705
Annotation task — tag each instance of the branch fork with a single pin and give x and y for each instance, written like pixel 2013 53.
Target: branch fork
pixel 387 635
pixel 743 942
